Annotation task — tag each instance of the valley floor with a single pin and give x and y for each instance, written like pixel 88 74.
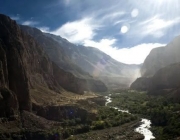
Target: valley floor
pixel 94 120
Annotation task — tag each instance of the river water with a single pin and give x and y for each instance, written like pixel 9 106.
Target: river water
pixel 145 123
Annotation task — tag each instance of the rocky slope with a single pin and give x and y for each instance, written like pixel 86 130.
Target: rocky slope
pixel 26 72
pixel 161 57
pixel 82 61
pixel 165 78
pixel 72 77
pixel 55 51
pixel 160 70
pixel 142 83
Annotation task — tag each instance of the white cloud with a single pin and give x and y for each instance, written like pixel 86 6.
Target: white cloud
pixel 85 29
pixel 104 45
pixel 134 13
pixel 134 55
pixel 15 17
pixel 78 31
pixel 118 22
pixel 155 26
pixel 112 16
pixel 44 29
pixel 29 23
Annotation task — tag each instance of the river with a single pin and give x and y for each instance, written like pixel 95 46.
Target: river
pixel 145 123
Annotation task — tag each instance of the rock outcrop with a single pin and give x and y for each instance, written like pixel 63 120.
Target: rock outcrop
pixel 60 113
pixel 8 104
pixel 13 73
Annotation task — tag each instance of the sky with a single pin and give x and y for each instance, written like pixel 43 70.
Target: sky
pixel 127 30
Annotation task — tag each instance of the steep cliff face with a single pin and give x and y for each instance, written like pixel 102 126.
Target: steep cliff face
pixel 59 113
pixel 167 78
pixel 153 62
pixel 13 74
pixel 161 57
pixel 8 104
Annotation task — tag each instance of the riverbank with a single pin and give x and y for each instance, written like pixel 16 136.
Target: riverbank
pixel 143 128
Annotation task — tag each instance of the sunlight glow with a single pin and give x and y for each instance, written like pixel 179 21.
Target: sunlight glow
pixel 134 12
pixel 124 29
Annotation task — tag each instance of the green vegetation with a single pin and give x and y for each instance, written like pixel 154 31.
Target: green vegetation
pixel 106 117
pixel 161 110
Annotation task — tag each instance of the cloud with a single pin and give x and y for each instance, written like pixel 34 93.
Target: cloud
pixel 133 55
pixel 15 18
pixel 156 26
pixel 119 22
pixel 78 31
pixel 112 16
pixel 44 29
pixel 86 28
pixel 29 23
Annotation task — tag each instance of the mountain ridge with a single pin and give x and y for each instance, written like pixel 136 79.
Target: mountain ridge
pixel 88 59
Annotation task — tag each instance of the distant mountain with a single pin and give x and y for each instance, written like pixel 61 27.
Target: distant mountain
pixel 55 52
pixel 161 57
pixel 93 60
pixel 85 61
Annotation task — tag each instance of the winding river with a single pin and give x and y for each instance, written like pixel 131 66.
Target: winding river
pixel 145 123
